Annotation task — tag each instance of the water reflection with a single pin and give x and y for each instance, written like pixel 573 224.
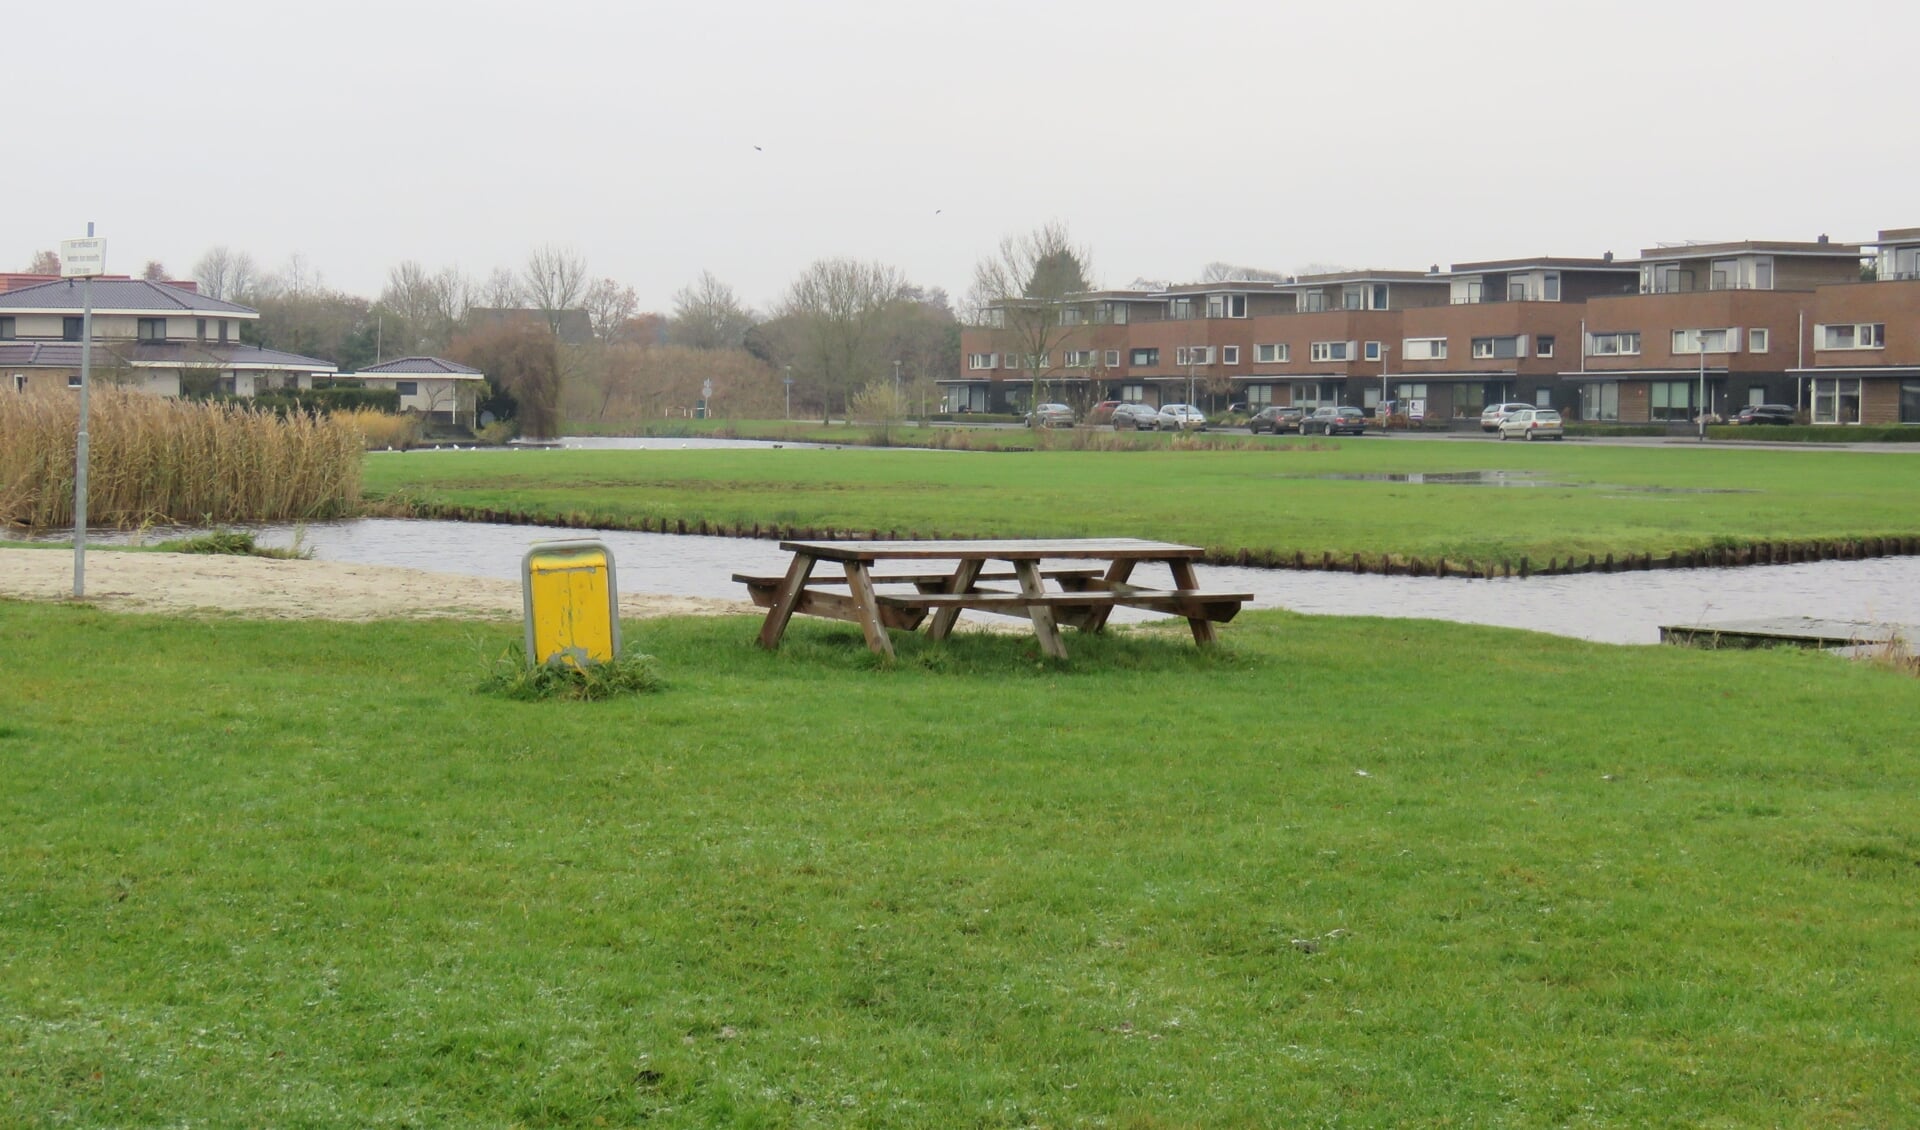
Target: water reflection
pixel 1609 607
pixel 1499 479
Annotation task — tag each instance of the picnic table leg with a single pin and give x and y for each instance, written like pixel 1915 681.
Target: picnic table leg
pixel 1183 578
pixel 1117 574
pixel 860 585
pixel 944 619
pixel 786 600
pixel 1044 629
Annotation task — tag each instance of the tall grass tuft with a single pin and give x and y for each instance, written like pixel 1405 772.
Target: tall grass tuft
pixel 154 459
pixel 383 431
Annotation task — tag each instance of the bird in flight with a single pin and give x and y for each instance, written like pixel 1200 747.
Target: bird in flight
pixel 757 149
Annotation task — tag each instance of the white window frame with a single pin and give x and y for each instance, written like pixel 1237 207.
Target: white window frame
pixel 977 361
pixel 1229 355
pixel 1113 358
pixel 1543 345
pixel 1273 353
pixel 1330 351
pixel 1758 340
pixel 1370 351
pixel 1619 341
pixel 1550 286
pixel 1078 359
pixel 1689 342
pixel 1423 349
pixel 1133 356
pixel 1179 309
pixel 1862 335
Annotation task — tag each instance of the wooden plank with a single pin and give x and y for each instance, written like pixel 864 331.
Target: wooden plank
pixel 1117 574
pixel 1159 599
pixel 1044 629
pixel 1064 575
pixel 785 600
pixel 1105 549
pixel 860 591
pixel 1791 631
pixel 962 579
pixel 1184 578
pixel 837 606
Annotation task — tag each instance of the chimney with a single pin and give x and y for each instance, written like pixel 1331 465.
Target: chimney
pixel 1608 257
pixel 1823 237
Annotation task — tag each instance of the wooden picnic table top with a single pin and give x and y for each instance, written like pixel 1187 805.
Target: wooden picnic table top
pixel 998 549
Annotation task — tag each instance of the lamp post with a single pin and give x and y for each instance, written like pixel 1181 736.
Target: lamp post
pixel 1700 410
pixel 789 383
pixel 1384 414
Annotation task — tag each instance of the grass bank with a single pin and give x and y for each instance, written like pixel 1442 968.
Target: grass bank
pixel 339 889
pixel 1289 501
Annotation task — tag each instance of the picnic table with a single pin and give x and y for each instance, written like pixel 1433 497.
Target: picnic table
pixel 1077 596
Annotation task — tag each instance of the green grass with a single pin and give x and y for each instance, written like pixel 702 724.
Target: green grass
pixel 302 875
pixel 1640 499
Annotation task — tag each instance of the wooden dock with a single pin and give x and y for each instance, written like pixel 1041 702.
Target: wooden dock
pixel 1786 631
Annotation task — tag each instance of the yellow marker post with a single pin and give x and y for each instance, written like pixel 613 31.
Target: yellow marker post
pixel 572 603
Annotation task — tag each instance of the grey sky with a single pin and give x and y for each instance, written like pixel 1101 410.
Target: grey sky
pixel 1166 135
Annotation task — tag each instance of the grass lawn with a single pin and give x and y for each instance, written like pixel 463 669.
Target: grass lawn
pixel 1618 499
pixel 298 874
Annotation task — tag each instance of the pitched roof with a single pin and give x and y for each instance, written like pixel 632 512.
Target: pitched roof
pixel 39 354
pixel 196 355
pixel 121 295
pixel 439 366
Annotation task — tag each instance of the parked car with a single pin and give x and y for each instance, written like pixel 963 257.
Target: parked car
pixel 1765 414
pixel 1533 423
pixel 1276 419
pixel 1491 416
pixel 1051 416
pixel 1102 412
pixel 1181 418
pixel 1331 421
pixel 1138 417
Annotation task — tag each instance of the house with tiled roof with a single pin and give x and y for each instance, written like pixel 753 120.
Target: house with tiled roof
pixel 443 391
pixel 146 335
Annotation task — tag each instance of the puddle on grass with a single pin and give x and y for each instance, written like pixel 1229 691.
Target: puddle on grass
pixel 1499 479
pixel 1625 607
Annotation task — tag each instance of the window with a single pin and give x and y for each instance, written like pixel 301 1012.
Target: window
pixel 1756 341
pixel 1516 290
pixel 1379 296
pixel 1113 359
pixel 6 329
pixel 980 360
pixel 1144 357
pixel 1909 401
pixel 1725 276
pixel 1229 355
pixel 1272 354
pixel 1312 302
pixel 1608 345
pixel 1756 394
pixel 1671 400
pixel 1466 292
pixel 73 380
pixel 1600 401
pixel 1226 306
pixel 1072 315
pixel 1543 397
pixel 1706 341
pixel 1499 347
pixel 1550 287
pixel 1371 351
pixel 1193 355
pixel 1424 349
pixel 1353 296
pixel 223 331
pixel 997 318
pixel 70 329
pixel 1370 397
pixel 1836 400
pixel 152 329
pixel 1111 313
pixel 1179 309
pixel 1665 278
pixel 1543 346
pixel 1763 273
pixel 1133 394
pixel 407 388
pixel 1413 391
pixel 1332 351
pixel 1079 359
pixel 200 329
pixel 1864 335
pixel 1258 397
pixel 19 382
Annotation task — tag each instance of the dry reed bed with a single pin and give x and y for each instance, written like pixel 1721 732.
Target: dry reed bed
pixel 154 459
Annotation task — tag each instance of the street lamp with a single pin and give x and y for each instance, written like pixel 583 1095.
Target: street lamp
pixel 1700 409
pixel 789 383
pixel 1384 414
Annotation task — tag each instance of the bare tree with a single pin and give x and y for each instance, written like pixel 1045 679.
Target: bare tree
pixel 555 281
pixel 225 274
pixel 836 308
pixel 502 290
pixel 44 263
pixel 1233 272
pixel 1025 290
pixel 453 295
pixel 707 315
pixel 154 271
pixel 610 307
pixel 406 309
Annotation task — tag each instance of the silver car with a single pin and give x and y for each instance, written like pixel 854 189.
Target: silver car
pixel 1494 413
pixel 1533 423
pixel 1181 418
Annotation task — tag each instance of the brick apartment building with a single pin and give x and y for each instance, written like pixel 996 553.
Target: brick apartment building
pixel 1829 327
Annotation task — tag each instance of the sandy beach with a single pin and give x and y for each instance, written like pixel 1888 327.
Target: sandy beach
pixel 183 583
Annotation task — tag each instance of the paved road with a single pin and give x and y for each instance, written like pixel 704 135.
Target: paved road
pixel 1601 441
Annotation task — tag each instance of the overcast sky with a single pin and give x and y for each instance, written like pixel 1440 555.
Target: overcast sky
pixel 1166 135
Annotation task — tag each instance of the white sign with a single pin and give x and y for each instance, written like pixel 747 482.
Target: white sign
pixel 706 390
pixel 83 258
pixel 1416 409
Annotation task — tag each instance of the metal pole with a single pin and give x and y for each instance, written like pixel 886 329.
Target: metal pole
pixel 789 384
pixel 1699 409
pixel 80 447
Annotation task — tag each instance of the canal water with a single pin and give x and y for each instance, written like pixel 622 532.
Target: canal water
pixel 1626 608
